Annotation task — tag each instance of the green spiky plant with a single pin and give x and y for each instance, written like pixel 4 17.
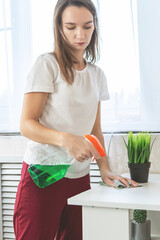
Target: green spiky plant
pixel 139 147
pixel 139 216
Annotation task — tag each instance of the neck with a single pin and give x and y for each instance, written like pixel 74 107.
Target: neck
pixel 80 65
pixel 81 61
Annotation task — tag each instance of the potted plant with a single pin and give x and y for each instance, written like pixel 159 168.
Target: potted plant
pixel 139 148
pixel 140 226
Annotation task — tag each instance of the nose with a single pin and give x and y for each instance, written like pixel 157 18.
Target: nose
pixel 80 33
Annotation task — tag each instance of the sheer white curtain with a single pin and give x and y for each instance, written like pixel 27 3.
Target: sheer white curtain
pixel 130 36
pixel 25 32
pixel 130 52
pixel 120 63
pixel 15 56
pixel 148 16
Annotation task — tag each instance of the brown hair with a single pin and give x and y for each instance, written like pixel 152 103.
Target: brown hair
pixel 62 50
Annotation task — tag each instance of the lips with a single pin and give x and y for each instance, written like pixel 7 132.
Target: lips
pixel 80 43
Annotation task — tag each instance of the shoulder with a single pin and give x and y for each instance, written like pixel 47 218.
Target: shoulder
pixel 47 62
pixel 48 58
pixel 43 74
pixel 101 80
pixel 95 69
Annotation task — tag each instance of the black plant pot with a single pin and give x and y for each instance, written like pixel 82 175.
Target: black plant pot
pixel 139 171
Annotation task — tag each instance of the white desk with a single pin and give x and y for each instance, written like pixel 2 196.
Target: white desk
pixel 106 211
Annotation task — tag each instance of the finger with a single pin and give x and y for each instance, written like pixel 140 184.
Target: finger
pixel 109 182
pixel 79 159
pixel 127 180
pixel 83 157
pixel 134 183
pixel 92 150
pixel 124 181
pixel 95 153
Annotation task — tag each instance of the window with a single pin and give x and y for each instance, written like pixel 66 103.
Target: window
pixel 25 32
pixel 15 56
pixel 6 69
pixel 130 36
pixel 120 63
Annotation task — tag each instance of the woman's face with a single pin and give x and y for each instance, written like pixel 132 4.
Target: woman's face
pixel 78 27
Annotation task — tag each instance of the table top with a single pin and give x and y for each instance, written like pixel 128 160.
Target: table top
pixel 145 197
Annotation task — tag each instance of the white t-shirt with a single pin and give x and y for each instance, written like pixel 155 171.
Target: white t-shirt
pixel 69 108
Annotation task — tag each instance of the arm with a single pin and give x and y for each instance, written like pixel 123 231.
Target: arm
pixel 97 131
pixel 107 175
pixel 31 128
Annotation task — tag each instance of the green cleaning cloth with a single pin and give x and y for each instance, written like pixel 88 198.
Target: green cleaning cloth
pixel 119 184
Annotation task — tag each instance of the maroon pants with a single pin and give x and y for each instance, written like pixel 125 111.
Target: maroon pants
pixel 43 213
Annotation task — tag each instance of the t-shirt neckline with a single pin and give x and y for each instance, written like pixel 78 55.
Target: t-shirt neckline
pixel 83 70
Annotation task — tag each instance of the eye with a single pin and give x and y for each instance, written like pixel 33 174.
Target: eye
pixel 70 28
pixel 87 27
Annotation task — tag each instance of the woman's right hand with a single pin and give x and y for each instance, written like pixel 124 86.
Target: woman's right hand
pixel 80 148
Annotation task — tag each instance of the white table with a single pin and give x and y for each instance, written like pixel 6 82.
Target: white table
pixel 107 211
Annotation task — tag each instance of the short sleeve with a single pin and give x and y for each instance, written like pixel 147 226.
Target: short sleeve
pixel 42 75
pixel 103 93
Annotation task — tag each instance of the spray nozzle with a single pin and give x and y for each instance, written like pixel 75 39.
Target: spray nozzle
pixel 96 143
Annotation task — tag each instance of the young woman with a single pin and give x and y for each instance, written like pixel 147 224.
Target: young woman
pixel 62 104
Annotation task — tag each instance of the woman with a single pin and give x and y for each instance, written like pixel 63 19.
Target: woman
pixel 61 105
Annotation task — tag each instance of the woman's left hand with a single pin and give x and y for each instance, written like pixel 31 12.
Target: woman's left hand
pixel 109 176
